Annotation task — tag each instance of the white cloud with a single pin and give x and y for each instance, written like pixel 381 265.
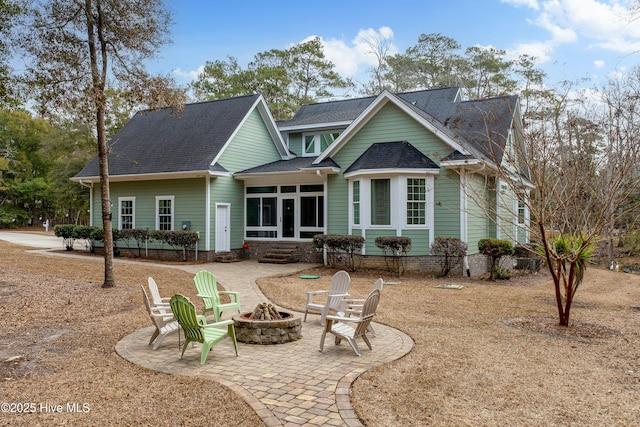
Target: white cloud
pixel 188 75
pixel 598 64
pixel 351 59
pixel 533 4
pixel 354 57
pixel 539 50
pixel 605 24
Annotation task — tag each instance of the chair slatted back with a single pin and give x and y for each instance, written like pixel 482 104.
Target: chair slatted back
pixel 206 284
pixel 145 297
pixel 185 313
pixel 368 312
pixel 339 287
pixel 155 294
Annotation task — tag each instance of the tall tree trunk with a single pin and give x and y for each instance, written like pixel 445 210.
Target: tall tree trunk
pixel 109 277
pixel 94 28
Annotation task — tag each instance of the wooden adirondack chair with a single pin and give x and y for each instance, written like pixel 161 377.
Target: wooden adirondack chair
pixel 162 319
pixel 196 329
pixel 337 325
pixel 354 305
pixel 155 294
pixel 207 289
pixel 338 290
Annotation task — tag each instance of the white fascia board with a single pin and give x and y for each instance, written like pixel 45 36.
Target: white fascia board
pixel 245 176
pixel 152 176
pixel 287 174
pixel 390 172
pixel 371 110
pixel 315 126
pixel 460 163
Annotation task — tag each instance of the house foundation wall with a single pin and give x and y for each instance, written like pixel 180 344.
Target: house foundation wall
pixel 304 252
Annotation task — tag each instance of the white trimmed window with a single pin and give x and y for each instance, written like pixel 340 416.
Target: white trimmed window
pixel 126 213
pixel 381 201
pixel 391 201
pixel 164 212
pixel 522 212
pixel 315 143
pixel 416 201
pixel 356 202
pixel 262 212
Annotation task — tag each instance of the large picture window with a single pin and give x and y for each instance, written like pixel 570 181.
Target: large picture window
pixel 380 201
pixel 262 212
pixel 164 212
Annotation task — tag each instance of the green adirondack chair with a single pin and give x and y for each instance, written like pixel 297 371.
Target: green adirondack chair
pixel 196 329
pixel 207 289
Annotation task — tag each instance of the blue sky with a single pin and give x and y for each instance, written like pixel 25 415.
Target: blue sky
pixel 573 39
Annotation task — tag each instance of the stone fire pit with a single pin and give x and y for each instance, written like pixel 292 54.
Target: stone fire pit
pixel 266 325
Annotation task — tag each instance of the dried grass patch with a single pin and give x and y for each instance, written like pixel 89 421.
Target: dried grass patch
pixel 492 353
pixel 58 342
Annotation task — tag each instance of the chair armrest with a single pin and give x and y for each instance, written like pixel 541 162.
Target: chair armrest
pixel 205 296
pixel 353 301
pixel 343 319
pixel 311 294
pixel 218 324
pixel 164 305
pixel 157 311
pixel 161 316
pixel 236 295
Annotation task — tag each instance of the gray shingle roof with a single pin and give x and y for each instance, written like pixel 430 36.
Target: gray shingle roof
pixel 348 109
pixel 166 140
pixel 292 165
pixel 392 155
pixel 469 120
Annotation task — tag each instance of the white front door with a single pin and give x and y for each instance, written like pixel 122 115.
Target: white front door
pixel 223 227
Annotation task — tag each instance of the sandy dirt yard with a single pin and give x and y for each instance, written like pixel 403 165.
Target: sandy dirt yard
pixel 490 354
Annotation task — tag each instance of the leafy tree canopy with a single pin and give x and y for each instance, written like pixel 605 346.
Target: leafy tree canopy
pixel 286 78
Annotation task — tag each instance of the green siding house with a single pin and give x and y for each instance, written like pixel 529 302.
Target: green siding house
pixel 417 164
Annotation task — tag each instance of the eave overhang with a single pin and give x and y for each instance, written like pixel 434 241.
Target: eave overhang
pixel 152 176
pixel 392 171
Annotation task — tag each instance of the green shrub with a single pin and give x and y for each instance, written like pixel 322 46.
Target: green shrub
pixel 451 249
pixel 500 273
pixel 395 249
pixel 67 232
pixel 496 249
pixel 137 235
pixel 340 248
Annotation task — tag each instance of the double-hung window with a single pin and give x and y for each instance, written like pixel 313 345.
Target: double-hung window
pixel 356 202
pixel 126 213
pixel 164 212
pixel 416 201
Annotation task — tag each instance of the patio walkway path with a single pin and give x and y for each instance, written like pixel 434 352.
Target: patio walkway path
pixel 286 384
